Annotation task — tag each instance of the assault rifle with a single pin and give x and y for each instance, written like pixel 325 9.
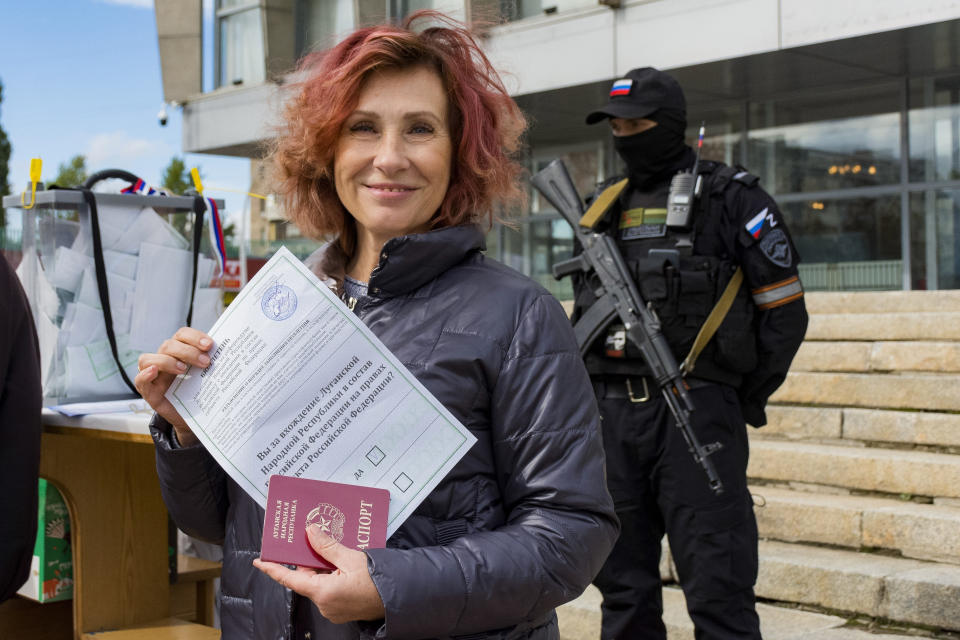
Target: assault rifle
pixel 618 296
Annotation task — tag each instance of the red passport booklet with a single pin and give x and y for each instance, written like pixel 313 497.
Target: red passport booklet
pixel 353 516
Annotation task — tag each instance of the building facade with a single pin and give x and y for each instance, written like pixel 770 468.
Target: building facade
pixel 848 111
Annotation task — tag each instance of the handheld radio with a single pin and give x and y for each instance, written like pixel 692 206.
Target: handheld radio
pixel 684 189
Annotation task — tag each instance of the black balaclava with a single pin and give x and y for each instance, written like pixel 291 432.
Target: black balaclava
pixel 657 153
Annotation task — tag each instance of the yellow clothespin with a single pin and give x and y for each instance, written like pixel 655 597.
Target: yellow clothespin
pixel 195 174
pixel 36 165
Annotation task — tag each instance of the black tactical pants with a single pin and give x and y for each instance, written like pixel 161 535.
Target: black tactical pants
pixel 658 488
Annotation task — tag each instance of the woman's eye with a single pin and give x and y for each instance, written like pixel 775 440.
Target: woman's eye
pixel 421 129
pixel 362 127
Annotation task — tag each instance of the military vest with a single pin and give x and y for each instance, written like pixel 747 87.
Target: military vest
pixel 680 284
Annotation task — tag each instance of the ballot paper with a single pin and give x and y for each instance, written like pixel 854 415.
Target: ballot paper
pixel 299 386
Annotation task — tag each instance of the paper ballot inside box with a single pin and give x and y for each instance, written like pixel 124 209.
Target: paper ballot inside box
pixel 148 263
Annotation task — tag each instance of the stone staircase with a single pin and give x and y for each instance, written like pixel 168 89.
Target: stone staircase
pixel 856 479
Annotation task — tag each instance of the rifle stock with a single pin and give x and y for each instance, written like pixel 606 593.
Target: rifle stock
pixel 618 295
pixel 554 183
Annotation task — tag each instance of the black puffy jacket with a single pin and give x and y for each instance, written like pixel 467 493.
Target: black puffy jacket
pixel 520 525
pixel 21 399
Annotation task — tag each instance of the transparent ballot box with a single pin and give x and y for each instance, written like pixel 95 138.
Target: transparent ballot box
pixel 149 260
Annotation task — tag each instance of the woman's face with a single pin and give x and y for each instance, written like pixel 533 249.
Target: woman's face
pixel 392 162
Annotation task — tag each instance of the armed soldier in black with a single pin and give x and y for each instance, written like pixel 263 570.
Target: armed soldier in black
pixel 734 232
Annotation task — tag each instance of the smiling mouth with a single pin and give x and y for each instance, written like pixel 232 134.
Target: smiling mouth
pixel 390 188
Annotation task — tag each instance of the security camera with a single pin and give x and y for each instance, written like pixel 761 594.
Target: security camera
pixel 162 116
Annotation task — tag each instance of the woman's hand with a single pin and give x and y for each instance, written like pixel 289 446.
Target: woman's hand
pixel 344 595
pixel 158 371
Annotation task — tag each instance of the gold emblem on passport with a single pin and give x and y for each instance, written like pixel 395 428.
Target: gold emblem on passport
pixel 330 519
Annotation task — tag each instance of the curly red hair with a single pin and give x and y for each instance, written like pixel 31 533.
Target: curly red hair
pixel 486 124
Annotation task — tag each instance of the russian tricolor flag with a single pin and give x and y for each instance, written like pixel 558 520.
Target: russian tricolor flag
pixel 756 223
pixel 621 87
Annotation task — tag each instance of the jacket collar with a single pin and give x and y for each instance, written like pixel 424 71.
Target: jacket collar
pixel 406 262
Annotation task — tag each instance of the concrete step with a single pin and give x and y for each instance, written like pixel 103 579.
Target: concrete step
pixel 896 589
pixel 870 425
pixel 881 301
pixel 925 325
pixel 580 620
pixel 926 391
pixel 920 531
pixel 941 357
pixel 891 471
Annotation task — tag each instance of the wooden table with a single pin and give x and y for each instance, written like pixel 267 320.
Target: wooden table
pixel 105 468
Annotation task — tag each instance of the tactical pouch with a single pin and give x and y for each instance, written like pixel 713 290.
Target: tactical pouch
pixel 681 297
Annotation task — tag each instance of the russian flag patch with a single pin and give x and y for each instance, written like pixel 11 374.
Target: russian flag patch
pixel 621 87
pixel 755 225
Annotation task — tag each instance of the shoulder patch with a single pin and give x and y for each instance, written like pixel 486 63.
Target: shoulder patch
pixel 760 223
pixel 776 247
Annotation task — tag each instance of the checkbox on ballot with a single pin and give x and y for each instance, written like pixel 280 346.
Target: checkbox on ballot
pixel 403 482
pixel 375 456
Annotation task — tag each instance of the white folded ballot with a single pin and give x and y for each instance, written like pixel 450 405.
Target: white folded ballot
pixel 299 386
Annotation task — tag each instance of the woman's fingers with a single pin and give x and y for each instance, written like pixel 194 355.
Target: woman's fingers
pixel 189 351
pixel 159 370
pixel 344 595
pixel 193 337
pixel 165 364
pixel 151 384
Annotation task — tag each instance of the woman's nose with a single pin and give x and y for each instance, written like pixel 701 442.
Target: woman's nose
pixel 391 153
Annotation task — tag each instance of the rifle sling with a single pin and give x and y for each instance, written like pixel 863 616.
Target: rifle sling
pixel 713 321
pixel 599 206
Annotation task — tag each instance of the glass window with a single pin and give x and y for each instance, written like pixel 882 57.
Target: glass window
pixel 401 8
pixel 551 238
pixel 534 247
pixel 935 129
pixel 493 241
pixel 371 11
pixel 241 44
pixel 935 239
pixel 325 21
pixel 542 239
pixel 822 141
pixel 722 140
pixel 518 9
pixel 847 244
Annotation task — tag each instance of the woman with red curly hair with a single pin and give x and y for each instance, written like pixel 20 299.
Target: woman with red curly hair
pixel 398 146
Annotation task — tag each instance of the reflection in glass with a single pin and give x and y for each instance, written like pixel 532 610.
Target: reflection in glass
pixel 241 49
pixel 850 245
pixel 835 140
pixel 831 154
pixel 935 239
pixel 935 129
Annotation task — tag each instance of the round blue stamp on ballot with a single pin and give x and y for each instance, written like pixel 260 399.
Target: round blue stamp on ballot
pixel 278 302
